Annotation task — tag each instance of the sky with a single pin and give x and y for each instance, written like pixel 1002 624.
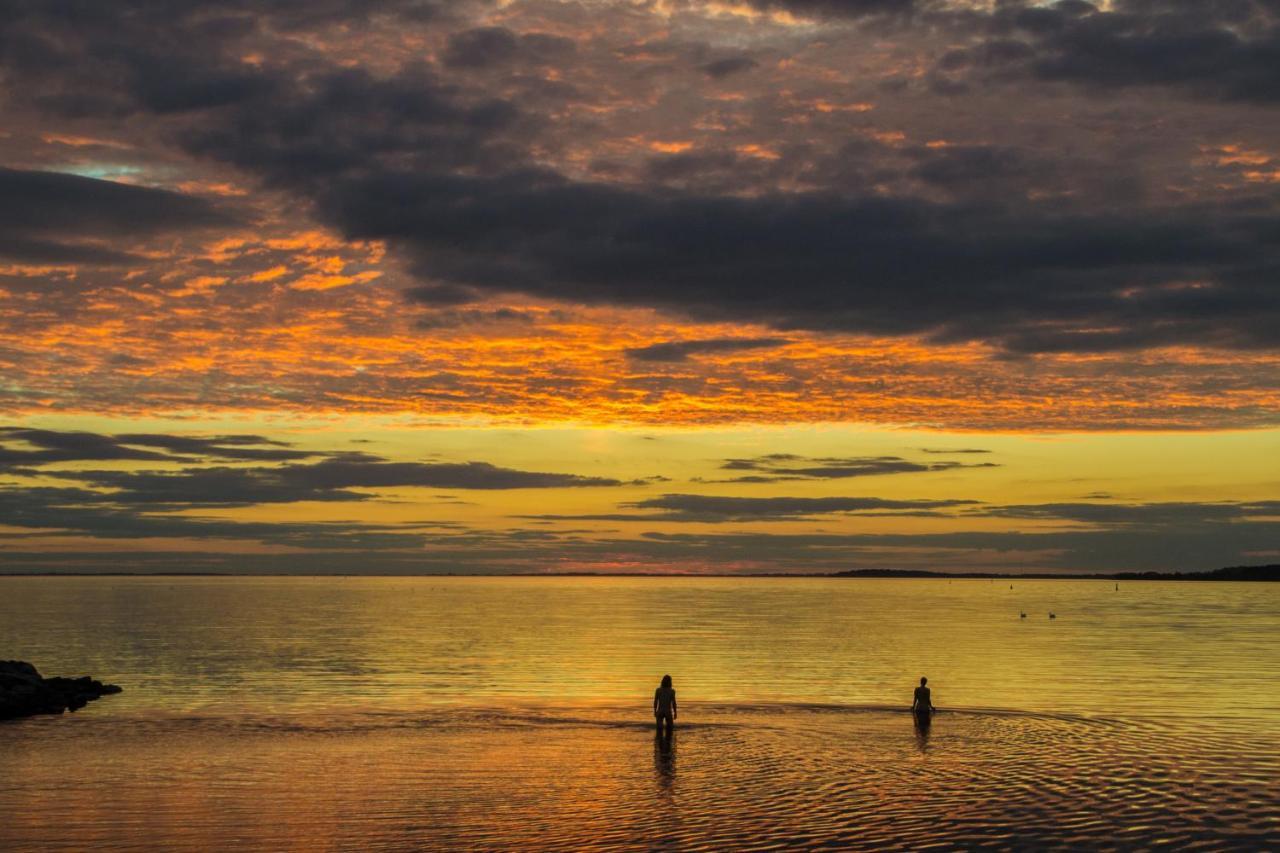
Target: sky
pixel 639 285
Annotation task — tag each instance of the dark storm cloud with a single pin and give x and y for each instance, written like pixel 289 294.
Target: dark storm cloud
pixel 842 8
pixel 1029 279
pixel 370 472
pixel 327 480
pixel 333 123
pixel 713 509
pixel 1226 50
pixel 1147 516
pixel 80 59
pixel 1139 515
pixel 692 166
pixel 486 46
pixel 721 68
pixel 445 295
pixel 450 178
pixel 48 446
pixel 777 467
pixel 987 171
pixel 136 504
pixel 31 250
pixel 716 508
pixel 1195 549
pixel 166 84
pixel 475 317
pixel 246 447
pixel 46 217
pixel 675 351
pixel 317 562
pixel 88 513
pixel 205 487
pixel 1123 548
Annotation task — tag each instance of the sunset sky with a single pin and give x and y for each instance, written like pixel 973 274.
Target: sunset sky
pixel 616 285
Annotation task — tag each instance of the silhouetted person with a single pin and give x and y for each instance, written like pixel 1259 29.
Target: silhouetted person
pixel 922 704
pixel 664 706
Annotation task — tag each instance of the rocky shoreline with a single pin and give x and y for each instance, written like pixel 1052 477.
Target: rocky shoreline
pixel 24 692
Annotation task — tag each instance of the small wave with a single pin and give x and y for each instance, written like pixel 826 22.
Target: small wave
pixel 835 708
pixel 760 775
pixel 801 716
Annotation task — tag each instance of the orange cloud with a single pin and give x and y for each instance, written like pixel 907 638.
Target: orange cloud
pixel 671 147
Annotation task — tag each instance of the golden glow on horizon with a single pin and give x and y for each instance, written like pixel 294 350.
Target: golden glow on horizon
pixel 1096 468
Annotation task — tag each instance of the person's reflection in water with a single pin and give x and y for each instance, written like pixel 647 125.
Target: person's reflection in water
pixel 923 721
pixel 664 759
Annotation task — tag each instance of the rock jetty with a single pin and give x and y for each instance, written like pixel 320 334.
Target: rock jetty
pixel 24 692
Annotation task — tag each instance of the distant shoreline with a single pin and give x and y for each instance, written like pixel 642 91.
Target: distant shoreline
pixel 1267 573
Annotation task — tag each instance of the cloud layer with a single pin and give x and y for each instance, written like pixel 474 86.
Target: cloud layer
pixel 925 214
pixel 444 161
pixel 778 467
pixel 56 218
pixel 874 210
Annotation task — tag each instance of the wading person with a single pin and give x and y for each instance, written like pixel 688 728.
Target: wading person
pixel 664 706
pixel 922 704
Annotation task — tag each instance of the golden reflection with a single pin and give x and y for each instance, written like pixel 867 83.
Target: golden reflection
pixel 664 761
pixel 922 723
pixel 318 713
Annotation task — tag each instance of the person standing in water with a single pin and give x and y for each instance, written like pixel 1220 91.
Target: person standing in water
pixel 664 706
pixel 922 704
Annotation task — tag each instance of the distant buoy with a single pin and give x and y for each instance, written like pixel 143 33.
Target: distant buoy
pixel 1053 616
pixel 1022 616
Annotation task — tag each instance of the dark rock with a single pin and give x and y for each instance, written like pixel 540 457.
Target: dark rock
pixel 23 692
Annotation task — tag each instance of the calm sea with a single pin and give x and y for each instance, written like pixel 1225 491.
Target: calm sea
pixel 497 713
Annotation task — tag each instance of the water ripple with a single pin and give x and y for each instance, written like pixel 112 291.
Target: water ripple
pixel 754 776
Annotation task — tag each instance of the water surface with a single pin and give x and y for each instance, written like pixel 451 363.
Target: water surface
pixel 357 713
